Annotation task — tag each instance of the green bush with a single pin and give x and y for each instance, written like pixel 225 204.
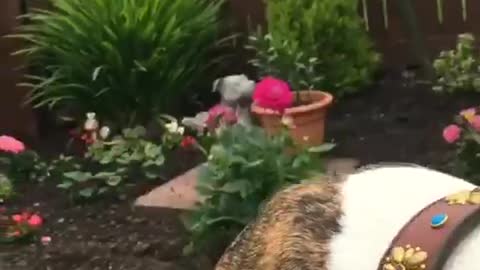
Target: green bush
pixel 459 69
pixel 315 44
pixel 245 167
pixel 464 134
pixel 124 59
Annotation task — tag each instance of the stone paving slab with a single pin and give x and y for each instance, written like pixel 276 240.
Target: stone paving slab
pixel 180 193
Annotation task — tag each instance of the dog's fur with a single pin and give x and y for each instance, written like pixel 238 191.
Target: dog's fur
pixel 344 225
pixel 290 220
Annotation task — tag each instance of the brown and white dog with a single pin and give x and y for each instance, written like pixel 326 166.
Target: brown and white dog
pixel 345 224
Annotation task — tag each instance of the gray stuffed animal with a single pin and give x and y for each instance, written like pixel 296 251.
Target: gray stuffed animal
pixel 236 91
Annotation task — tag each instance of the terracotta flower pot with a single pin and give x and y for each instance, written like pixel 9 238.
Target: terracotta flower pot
pixel 306 122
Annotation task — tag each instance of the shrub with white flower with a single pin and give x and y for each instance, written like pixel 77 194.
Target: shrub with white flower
pixel 91 131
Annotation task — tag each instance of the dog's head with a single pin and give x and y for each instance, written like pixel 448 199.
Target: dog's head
pixel 234 88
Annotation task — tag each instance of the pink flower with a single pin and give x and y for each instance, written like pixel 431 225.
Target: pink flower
pixel 469 114
pixel 220 114
pixel 475 122
pixel 35 221
pixel 452 133
pixel 18 218
pixel 45 240
pixel 272 93
pixel 11 145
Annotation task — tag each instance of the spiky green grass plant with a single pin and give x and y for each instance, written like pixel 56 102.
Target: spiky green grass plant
pixel 127 60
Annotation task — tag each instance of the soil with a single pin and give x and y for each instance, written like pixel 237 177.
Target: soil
pixel 390 122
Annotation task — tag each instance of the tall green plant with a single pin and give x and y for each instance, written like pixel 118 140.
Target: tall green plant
pixel 124 59
pixel 245 167
pixel 318 44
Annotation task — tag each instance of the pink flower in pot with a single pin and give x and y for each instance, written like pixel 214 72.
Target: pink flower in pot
pixel 272 93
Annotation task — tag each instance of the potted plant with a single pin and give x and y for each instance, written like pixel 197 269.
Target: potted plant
pixel 303 112
pixel 312 45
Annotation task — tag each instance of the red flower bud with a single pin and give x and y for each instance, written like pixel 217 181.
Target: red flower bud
pixel 188 142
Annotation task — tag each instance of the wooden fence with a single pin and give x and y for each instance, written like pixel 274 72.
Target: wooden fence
pixel 440 21
pixel 15 119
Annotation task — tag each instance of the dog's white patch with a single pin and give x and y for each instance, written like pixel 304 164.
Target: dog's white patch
pixel 378 202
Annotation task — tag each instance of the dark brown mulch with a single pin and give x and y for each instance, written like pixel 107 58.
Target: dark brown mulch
pixel 389 122
pixel 394 123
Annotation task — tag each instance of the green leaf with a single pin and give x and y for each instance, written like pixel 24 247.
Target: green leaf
pixel 102 175
pixel 87 192
pixel 152 151
pixel 254 164
pixel 5 160
pixel 238 186
pixel 65 185
pixel 225 218
pixel 326 147
pixel 96 72
pixel 134 133
pixel 204 189
pixel 103 190
pixel 78 176
pixel 300 161
pixel 114 181
pixel 151 175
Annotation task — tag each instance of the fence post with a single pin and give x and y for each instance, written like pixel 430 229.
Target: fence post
pixel 417 41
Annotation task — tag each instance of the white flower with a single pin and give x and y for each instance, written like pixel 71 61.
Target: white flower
pixel 91 115
pixel 174 128
pixel 91 123
pixel 288 121
pixel 104 132
pixel 181 130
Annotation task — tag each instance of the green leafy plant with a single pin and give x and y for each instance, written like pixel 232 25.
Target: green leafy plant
pixel 459 69
pixel 245 167
pixel 6 188
pixel 315 45
pixel 27 166
pixel 127 60
pixel 18 163
pixel 108 165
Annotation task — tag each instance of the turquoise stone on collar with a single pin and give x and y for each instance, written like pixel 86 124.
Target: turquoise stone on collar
pixel 438 220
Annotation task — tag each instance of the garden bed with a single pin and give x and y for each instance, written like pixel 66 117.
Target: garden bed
pixel 389 122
